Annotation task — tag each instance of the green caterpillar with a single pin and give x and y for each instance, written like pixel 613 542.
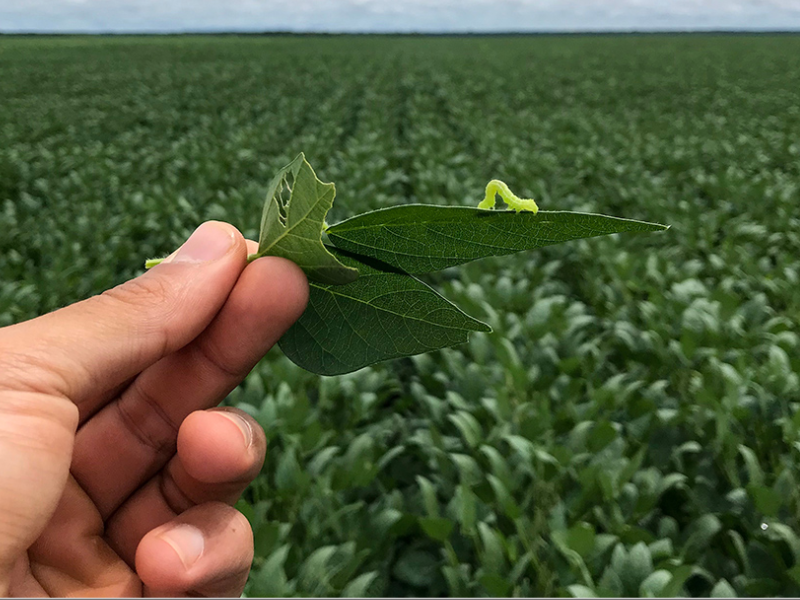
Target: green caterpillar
pixel 495 186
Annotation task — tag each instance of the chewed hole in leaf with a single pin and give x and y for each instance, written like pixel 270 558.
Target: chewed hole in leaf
pixel 284 196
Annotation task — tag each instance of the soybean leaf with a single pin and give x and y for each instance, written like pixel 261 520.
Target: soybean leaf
pixel 493 558
pixel 428 496
pixel 383 314
pixel 292 222
pixel 506 500
pixel 416 567
pixel 679 576
pixel 421 238
pixel 496 585
pixel 270 581
pixel 723 589
pixel 580 538
pixel 639 567
pixel 437 528
pixel 359 586
pixel 581 591
pixel 653 584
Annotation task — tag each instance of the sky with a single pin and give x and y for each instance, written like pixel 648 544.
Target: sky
pixel 97 16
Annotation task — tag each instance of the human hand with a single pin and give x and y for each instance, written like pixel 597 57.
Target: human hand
pixel 117 474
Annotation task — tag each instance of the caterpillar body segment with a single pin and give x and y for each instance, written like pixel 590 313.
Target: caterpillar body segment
pixel 496 187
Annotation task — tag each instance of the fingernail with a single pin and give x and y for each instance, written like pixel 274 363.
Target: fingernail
pixel 242 424
pixel 210 241
pixel 187 541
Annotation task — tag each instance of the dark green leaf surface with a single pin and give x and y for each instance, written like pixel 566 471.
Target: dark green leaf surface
pixel 381 315
pixel 421 238
pixel 291 224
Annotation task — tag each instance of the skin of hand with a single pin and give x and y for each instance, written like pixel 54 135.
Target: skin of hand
pixel 118 474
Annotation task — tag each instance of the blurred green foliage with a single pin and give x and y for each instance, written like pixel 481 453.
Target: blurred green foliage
pixel 631 427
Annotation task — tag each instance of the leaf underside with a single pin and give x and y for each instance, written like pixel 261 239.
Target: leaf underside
pixel 419 238
pixel 292 221
pixel 383 314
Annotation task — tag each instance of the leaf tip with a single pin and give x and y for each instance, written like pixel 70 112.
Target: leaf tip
pixel 483 327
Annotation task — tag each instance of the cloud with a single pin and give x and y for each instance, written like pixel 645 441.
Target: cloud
pixel 394 15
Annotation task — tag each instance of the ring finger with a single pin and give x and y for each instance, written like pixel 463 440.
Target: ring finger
pixel 220 451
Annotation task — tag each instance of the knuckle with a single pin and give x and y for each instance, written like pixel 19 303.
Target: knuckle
pixel 143 415
pixel 143 292
pixel 215 358
pixel 30 370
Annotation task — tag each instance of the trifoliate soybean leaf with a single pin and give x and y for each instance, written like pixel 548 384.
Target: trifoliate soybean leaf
pixel 292 221
pixel 383 314
pixel 419 238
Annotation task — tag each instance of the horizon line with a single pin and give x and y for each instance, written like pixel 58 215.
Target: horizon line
pixel 432 33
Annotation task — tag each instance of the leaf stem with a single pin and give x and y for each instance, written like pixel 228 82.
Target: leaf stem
pixel 152 262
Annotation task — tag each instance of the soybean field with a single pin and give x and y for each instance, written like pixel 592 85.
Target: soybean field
pixel 630 428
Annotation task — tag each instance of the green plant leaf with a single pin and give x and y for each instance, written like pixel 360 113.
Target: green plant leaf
pixel 639 567
pixel 493 559
pixel 465 509
pixel 497 586
pixel 610 584
pixel 437 528
pixel 701 532
pixel 754 471
pixel 289 476
pixel 359 586
pixel 420 238
pixel 315 573
pixel 469 427
pixel 292 222
pixel 653 584
pixel 579 538
pixel 723 589
pixel 766 500
pixel 504 497
pixel 468 469
pixel 269 581
pixel 675 585
pixel 416 567
pixel 581 591
pixel 383 314
pixel 429 499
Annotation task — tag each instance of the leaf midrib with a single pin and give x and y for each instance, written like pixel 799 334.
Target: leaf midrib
pixel 450 256
pixel 450 221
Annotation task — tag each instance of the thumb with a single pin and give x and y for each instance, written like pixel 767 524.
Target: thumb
pixel 87 349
